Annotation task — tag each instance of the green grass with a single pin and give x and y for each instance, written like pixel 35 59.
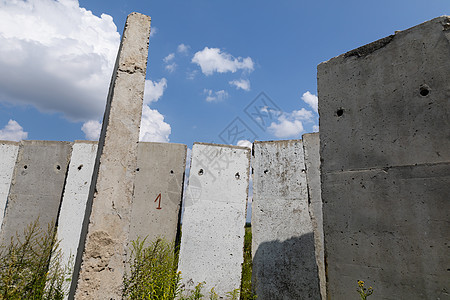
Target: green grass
pixel 246 282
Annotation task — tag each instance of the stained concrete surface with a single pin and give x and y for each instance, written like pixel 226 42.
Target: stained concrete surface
pixel 8 156
pixel 36 186
pixel 212 238
pixel 284 263
pixel 105 232
pixel 311 145
pixel 385 150
pixel 160 172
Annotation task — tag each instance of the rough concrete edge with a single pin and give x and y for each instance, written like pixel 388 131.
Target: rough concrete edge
pixel 277 141
pixel 369 48
pixel 221 145
pixel 5 142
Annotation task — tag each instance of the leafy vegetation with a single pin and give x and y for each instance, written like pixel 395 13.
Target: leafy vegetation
pixel 27 268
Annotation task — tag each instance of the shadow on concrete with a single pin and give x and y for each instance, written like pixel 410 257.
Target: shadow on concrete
pixel 286 270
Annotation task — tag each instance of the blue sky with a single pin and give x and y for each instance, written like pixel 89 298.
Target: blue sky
pixel 209 62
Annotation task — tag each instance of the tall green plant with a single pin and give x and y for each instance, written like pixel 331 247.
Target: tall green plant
pixel 153 271
pixel 26 268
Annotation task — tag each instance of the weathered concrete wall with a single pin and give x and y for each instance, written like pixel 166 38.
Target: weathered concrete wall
pixel 385 150
pixel 108 213
pixel 284 264
pixel 214 218
pixel 311 145
pixel 36 186
pixel 76 192
pixel 8 156
pixel 160 172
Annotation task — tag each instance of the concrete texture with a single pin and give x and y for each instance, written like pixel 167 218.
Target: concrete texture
pixel 108 213
pixel 311 145
pixel 385 150
pixel 214 218
pixel 284 263
pixel 160 172
pixel 74 200
pixel 8 156
pixel 36 186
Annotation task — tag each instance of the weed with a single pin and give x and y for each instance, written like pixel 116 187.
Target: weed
pixel 362 291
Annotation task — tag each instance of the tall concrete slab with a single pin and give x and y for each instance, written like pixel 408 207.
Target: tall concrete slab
pixel 311 142
pixel 385 150
pixel 284 264
pixel 212 238
pixel 8 156
pixel 36 186
pixel 108 215
pixel 74 200
pixel 158 191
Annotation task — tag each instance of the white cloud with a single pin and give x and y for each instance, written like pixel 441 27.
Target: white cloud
pixel 213 60
pixel 56 56
pixel 215 96
pixel 92 130
pixel 191 75
pixel 154 90
pixel 244 143
pixel 311 100
pixel 315 128
pixel 302 114
pixel 153 31
pixel 182 48
pixel 286 128
pixel 241 84
pixel 169 57
pixel 171 67
pixel 13 132
pixel 153 127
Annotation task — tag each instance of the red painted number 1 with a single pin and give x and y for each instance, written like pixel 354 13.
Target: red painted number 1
pixel 159 203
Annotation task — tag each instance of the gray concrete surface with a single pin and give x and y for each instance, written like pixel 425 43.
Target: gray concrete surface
pixel 36 186
pixel 8 156
pixel 311 145
pixel 160 172
pixel 108 214
pixel 73 206
pixel 212 238
pixel 385 150
pixel 284 263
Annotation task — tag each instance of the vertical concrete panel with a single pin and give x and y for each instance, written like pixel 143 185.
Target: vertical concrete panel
pixel 212 238
pixel 76 192
pixel 36 187
pixel 385 150
pixel 108 213
pixel 311 147
pixel 160 172
pixel 284 264
pixel 8 156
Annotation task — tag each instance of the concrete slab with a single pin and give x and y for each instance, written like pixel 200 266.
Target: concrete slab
pixel 311 145
pixel 36 187
pixel 284 263
pixel 108 215
pixel 214 217
pixel 385 150
pixel 74 200
pixel 8 156
pixel 160 176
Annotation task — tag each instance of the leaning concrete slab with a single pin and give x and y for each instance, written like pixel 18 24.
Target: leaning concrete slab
pixel 8 156
pixel 74 200
pixel 36 187
pixel 108 213
pixel 311 147
pixel 385 150
pixel 158 191
pixel 284 264
pixel 214 217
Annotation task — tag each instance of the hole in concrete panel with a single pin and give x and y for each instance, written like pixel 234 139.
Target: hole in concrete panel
pixel 266 171
pixel 25 167
pixel 303 171
pixel 137 169
pixel 237 176
pixel 171 171
pixel 80 167
pixel 200 172
pixel 58 167
pixel 424 90
pixel 340 112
